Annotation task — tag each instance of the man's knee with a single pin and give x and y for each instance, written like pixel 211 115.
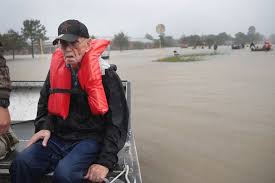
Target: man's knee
pixel 25 159
pixel 21 159
pixel 64 173
pixel 20 163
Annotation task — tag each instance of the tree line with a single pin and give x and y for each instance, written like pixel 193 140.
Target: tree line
pixel 223 38
pixel 33 32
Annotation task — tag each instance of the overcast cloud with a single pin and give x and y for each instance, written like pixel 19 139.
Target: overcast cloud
pixel 138 17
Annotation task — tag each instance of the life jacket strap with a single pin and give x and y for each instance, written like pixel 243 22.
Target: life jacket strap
pixel 69 91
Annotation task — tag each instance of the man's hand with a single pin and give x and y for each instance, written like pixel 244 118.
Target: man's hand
pixel 42 134
pixel 96 173
pixel 5 120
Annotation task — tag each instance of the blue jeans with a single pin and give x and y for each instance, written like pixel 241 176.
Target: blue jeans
pixel 69 162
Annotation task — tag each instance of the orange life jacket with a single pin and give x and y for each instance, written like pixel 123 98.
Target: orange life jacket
pixel 89 77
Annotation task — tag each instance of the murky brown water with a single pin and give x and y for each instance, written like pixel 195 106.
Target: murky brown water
pixel 202 122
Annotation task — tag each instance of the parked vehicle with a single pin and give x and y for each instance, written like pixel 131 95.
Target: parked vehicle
pixel 237 46
pixel 106 53
pixel 184 45
pixel 266 47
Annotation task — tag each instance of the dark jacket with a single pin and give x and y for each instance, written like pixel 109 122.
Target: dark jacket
pixel 110 129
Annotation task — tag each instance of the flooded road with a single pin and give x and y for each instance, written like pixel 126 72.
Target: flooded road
pixel 210 121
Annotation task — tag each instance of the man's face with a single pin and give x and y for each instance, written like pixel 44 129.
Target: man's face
pixel 74 51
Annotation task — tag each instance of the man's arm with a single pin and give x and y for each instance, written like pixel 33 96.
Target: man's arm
pixel 5 88
pixel 116 123
pixel 43 121
pixel 4 120
pixel 5 84
pixel 116 120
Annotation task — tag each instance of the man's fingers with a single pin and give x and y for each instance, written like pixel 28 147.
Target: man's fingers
pixel 96 173
pixel 91 176
pixel 45 140
pixel 32 140
pixel 88 173
pixel 43 134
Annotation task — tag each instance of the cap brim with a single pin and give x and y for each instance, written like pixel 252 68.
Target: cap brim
pixel 65 37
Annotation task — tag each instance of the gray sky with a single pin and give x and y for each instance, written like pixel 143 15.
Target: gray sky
pixel 138 17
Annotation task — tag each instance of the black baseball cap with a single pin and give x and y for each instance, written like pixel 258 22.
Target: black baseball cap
pixel 71 30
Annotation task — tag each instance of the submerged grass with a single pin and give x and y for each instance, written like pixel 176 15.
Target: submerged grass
pixel 186 58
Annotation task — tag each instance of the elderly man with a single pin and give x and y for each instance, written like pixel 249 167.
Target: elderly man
pixel 82 116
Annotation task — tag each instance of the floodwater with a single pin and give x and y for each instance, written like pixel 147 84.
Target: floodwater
pixel 210 121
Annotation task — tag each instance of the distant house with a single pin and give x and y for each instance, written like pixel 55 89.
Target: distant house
pixel 134 43
pixel 47 46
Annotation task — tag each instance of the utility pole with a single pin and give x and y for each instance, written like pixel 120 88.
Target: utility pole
pixel 160 28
